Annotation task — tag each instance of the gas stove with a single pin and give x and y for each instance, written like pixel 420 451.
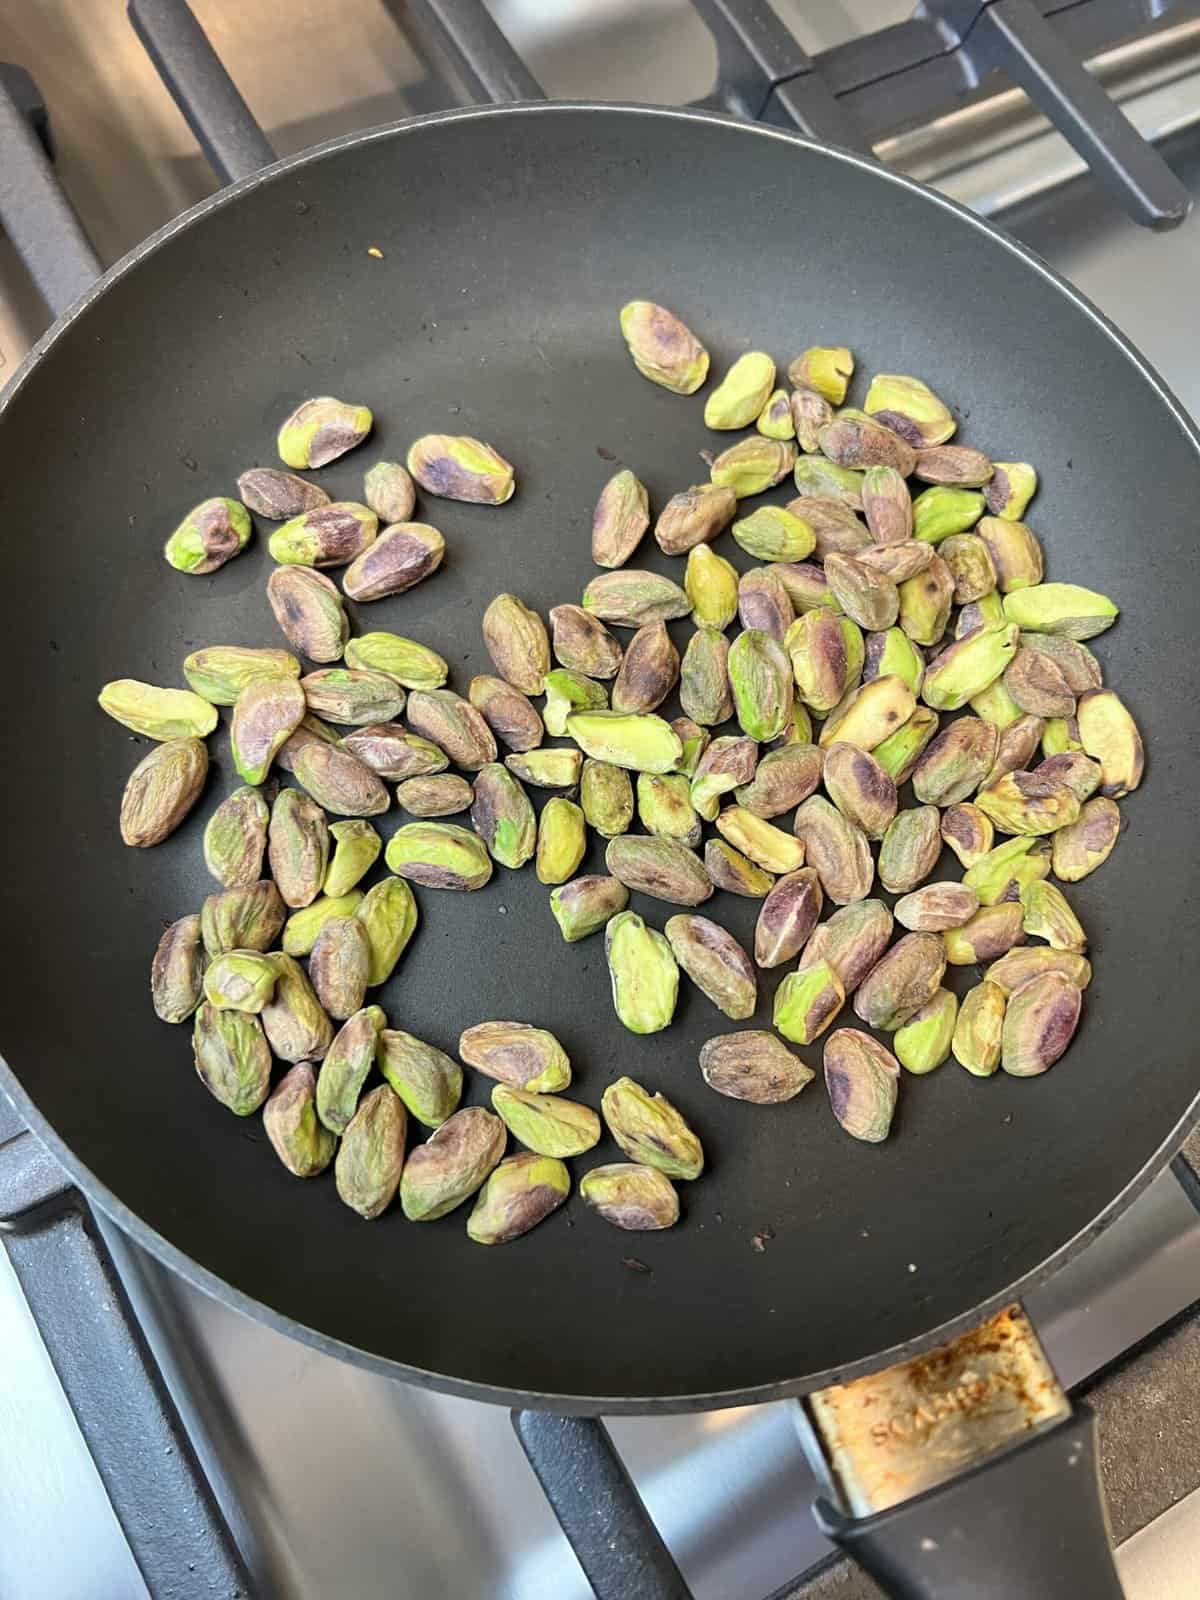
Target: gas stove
pixel 322 1478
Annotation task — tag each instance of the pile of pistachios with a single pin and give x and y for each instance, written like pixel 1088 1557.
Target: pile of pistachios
pixel 876 611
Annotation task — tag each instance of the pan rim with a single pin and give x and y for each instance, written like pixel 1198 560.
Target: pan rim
pixel 209 1282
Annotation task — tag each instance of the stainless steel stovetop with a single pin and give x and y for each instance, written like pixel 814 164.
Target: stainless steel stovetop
pixel 337 1482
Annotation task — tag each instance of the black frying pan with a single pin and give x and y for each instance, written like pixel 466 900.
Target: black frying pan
pixel 510 238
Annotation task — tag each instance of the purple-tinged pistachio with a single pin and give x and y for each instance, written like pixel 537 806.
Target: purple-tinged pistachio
pixel 621 517
pixel 340 965
pixel 452 1164
pixel 1025 803
pixel 860 788
pixel 806 586
pixel 852 941
pixel 730 870
pixel 925 603
pixel 663 348
pixel 242 919
pixel 807 1001
pixel 968 832
pixel 177 971
pixel 660 867
pixel 585 905
pixel 892 654
pixel 631 1196
pixel 211 534
pixel 632 597
pixel 1015 551
pixel 453 725
pixel 970 565
pixel 518 1054
pixel 837 848
pixel 775 418
pixel 910 849
pixel 294 1022
pixel 900 751
pixel 1019 967
pixel 936 907
pixel 941 512
pixel 761 679
pixel 811 411
pixel 783 779
pixel 1074 660
pixel 162 714
pixel 863 1082
pixel 704 691
pixel 1048 916
pixel 1013 485
pixel 444 795
pixel 388 490
pixel 233 1059
pixel 330 536
pixel 240 980
pixel 1005 870
pixel 753 1066
pixel 990 933
pixel 301 929
pixel 606 795
pixel 440 855
pixel 766 845
pixel 825 368
pixel 955 465
pixel 986 612
pixel 389 914
pixel 568 691
pixel 817 478
pixel 725 764
pixel 1080 773
pixel 711 584
pixel 816 646
pixel 351 695
pixel 870 598
pixel 1060 736
pixel 546 1123
pixel 268 711
pixel 1110 736
pixel 799 728
pixel 401 557
pixel 994 704
pixel 887 505
pixel 290 1122
pixel 1015 749
pixel 693 517
pixel 1088 842
pixel 650 1130
pixel 457 467
pixel 753 465
pixel 370 1157
pixel 279 495
pixel 161 790
pixel 322 429
pixel 561 840
pixel 548 769
pixel 1039 1024
pixel 968 666
pixel 715 962
pixel 297 847
pixel 643 973
pixel 899 562
pixel 583 644
pixel 220 672
pixel 764 604
pixel 649 671
pixel 787 917
pixel 392 752
pixel 427 1080
pixel 641 742
pixel 910 408
pixel 1062 608
pixel 858 442
pixel 902 981
pixel 508 713
pixel 665 806
pixel 868 715
pixel 923 1042
pixel 956 762
pixel 741 393
pixel 1037 685
pixel 309 610
pixel 515 638
pixel 979 1028
pixel 773 533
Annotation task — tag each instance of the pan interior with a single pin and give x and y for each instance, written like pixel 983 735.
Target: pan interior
pixel 508 244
